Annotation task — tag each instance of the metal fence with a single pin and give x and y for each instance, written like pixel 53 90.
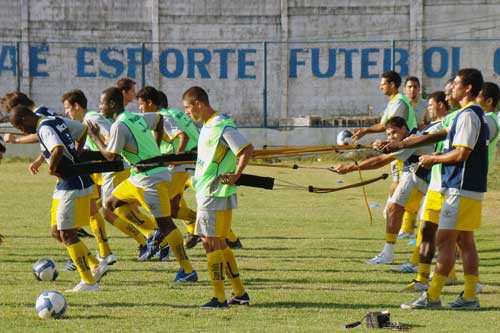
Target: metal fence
pixel 258 82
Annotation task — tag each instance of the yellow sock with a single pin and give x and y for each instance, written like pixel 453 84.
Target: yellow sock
pixel 424 270
pixel 140 218
pixel 415 256
pixel 232 272
pixel 470 282
pixel 129 230
pixel 98 227
pixel 453 273
pixel 93 262
pixel 175 241
pixel 409 220
pixel 78 253
pixel 231 236
pixel 216 273
pixel 436 286
pixel 188 216
pixel 391 238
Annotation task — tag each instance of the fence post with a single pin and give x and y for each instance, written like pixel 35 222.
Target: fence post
pixel 264 90
pixel 143 65
pixel 18 66
pixel 393 54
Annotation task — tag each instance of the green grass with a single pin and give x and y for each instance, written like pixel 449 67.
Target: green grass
pixel 303 266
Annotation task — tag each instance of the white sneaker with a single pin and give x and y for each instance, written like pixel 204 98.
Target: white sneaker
pixel 405 235
pixel 417 286
pixel 100 271
pixel 405 268
pixel 82 286
pixel 380 259
pixel 110 260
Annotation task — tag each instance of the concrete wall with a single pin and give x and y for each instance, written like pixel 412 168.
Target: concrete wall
pixel 323 57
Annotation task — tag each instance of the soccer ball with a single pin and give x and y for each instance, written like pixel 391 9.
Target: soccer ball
pixel 45 270
pixel 344 137
pixel 50 304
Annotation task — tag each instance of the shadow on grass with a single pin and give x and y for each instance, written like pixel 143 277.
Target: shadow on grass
pixel 322 305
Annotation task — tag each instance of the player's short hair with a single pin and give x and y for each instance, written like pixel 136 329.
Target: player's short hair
pixel 473 77
pixel 440 97
pixel 491 90
pixel 75 96
pixel 115 95
pixel 15 98
pixel 398 122
pixel 412 79
pixel 125 84
pixel 18 113
pixel 392 76
pixel 196 94
pixel 162 100
pixel 149 93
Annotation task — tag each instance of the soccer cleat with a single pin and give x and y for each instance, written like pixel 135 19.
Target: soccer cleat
pixel 191 240
pixel 82 286
pixel 405 268
pixel 239 300
pixel 70 266
pixel 234 245
pixel 164 253
pixel 405 235
pixel 417 286
pixel 143 252
pixel 183 277
pixel 214 304
pixel 100 271
pixel 83 233
pixel 461 304
pixel 153 243
pixel 422 302
pixel 379 259
pixel 110 259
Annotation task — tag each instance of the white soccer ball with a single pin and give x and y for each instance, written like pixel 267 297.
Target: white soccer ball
pixel 45 270
pixel 344 137
pixel 50 304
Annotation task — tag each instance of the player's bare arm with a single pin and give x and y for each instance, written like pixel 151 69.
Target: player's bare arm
pixel 243 157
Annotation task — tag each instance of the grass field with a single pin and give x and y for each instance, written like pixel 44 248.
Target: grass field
pixel 302 263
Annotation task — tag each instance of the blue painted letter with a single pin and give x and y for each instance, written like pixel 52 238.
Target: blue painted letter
pixel 243 63
pixel 36 60
pixel 179 63
pixel 81 61
pixel 201 64
pixel 332 63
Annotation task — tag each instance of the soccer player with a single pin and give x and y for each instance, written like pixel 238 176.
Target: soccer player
pixel 408 193
pixel 75 106
pixel 127 87
pixel 132 138
pixel 399 106
pixel 412 91
pixel 425 246
pixel 180 135
pixel 71 199
pixel 15 98
pixel 488 100
pixel 223 154
pixel 464 177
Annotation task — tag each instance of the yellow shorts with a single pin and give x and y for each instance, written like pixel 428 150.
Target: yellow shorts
pixel 432 206
pixel 213 223
pixel 97 178
pixel 70 209
pixel 111 181
pixel 179 180
pixel 95 192
pixel 155 198
pixel 460 213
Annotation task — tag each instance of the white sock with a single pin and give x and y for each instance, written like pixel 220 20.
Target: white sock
pixel 388 250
